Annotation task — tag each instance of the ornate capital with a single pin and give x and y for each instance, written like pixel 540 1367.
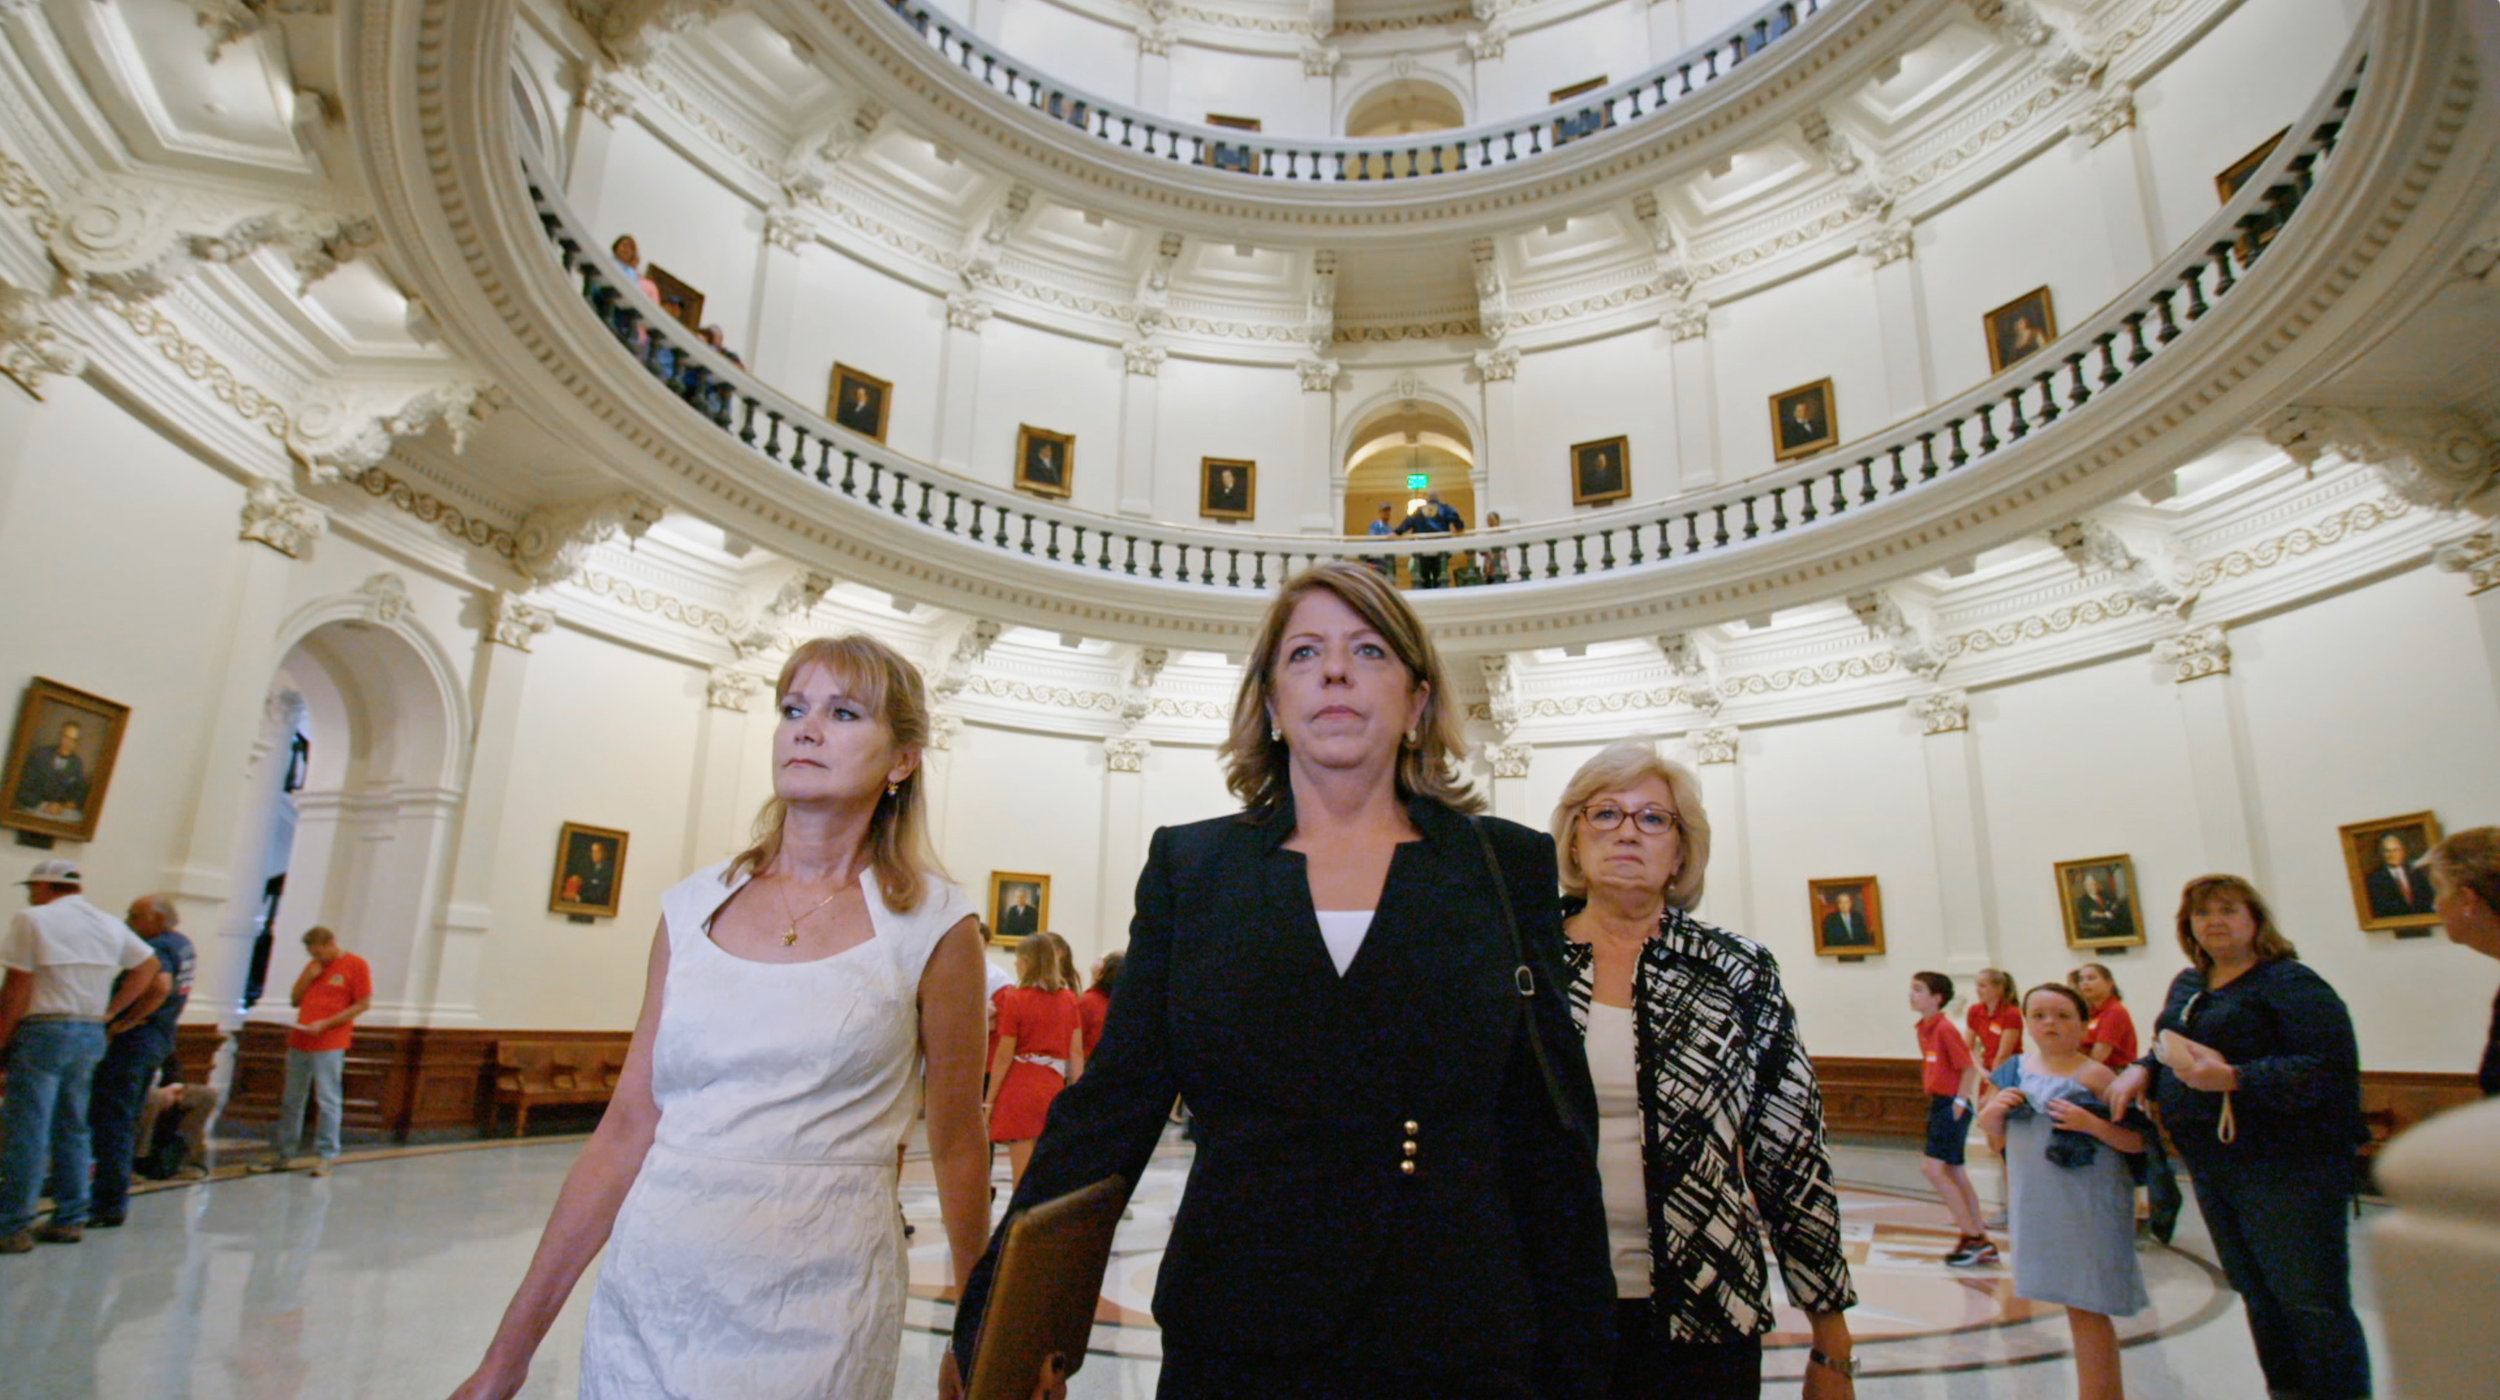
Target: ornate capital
pixel 971 645
pixel 632 32
pixel 31 346
pixel 1155 38
pixel 1318 376
pixel 1942 711
pixel 513 623
pixel 1510 760
pixel 1319 60
pixel 1497 366
pixel 607 99
pixel 1687 321
pixel 2195 654
pixel 1488 43
pixel 944 727
pixel 386 598
pixel 728 688
pixel 136 239
pixel 2441 458
pixel 786 229
pixel 2112 112
pixel 2476 556
pixel 552 541
pixel 282 520
pixel 965 311
pixel 1501 687
pixel 1125 754
pixel 1887 243
pixel 1714 744
pixel 1139 701
pixel 337 431
pixel 1143 359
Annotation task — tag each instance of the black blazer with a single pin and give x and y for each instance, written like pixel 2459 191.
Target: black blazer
pixel 1301 1237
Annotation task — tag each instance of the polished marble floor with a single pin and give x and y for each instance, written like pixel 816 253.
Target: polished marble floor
pixel 384 1280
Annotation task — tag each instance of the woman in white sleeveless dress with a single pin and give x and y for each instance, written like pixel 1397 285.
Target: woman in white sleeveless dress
pixel 743 1179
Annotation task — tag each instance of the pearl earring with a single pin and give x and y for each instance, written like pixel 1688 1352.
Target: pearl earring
pixel 890 788
pixel 1413 738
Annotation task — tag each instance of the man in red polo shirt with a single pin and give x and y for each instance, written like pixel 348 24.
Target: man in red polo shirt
pixel 333 990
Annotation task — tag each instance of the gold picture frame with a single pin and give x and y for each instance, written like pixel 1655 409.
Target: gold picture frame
pixel 2100 902
pixel 1804 420
pixel 1601 471
pixel 1228 488
pixel 2391 900
pixel 61 761
pixel 1045 461
pixel 590 871
pixel 2020 329
pixel 859 401
pixel 1019 906
pixel 1848 916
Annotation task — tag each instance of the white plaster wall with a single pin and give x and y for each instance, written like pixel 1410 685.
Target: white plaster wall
pixel 687 223
pixel 1031 376
pixel 2016 234
pixel 1072 48
pixel 1610 42
pixel 1270 87
pixel 1621 385
pixel 1031 803
pixel 1818 326
pixel 859 316
pixel 1203 410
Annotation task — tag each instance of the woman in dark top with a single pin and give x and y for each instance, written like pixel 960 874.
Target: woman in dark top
pixel 2258 1079
pixel 1395 1191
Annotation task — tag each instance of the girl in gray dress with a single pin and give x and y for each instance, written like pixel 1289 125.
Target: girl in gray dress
pixel 2070 1198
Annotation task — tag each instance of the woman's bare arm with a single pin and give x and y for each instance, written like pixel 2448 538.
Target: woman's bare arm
pixel 953 1023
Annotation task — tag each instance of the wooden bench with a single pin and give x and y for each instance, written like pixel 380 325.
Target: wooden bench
pixel 534 1073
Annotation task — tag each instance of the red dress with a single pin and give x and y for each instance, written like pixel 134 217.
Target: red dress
pixel 1095 1007
pixel 1043 1024
pixel 2113 1026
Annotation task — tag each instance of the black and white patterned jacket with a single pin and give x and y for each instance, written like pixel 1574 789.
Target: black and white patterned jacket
pixel 1732 1137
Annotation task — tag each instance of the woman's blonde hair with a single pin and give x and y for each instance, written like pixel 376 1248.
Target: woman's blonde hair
pixel 1255 757
pixel 2074 979
pixel 878 677
pixel 2470 860
pixel 1627 764
pixel 1042 963
pixel 2001 979
pixel 2270 943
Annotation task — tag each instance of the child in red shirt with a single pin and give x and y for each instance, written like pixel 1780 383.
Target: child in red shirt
pixel 1995 1021
pixel 1951 1078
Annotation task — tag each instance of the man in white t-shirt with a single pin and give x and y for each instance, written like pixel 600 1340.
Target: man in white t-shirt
pixel 71 968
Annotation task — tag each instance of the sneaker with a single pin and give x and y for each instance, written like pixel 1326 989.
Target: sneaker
pixel 321 1167
pixel 102 1220
pixel 1971 1254
pixel 59 1234
pixel 23 1242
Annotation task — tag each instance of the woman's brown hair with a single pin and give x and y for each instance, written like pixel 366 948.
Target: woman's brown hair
pixel 2083 1008
pixel 1255 757
pixel 2470 860
pixel 2270 943
pixel 878 677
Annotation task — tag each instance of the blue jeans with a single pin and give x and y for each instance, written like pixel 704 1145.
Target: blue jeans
pixel 121 1087
pixel 43 1121
pixel 316 1071
pixel 2280 1226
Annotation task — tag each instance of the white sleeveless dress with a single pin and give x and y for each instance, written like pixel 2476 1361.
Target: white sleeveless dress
pixel 759 1254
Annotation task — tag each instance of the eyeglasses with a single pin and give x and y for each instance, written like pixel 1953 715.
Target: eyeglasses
pixel 1652 821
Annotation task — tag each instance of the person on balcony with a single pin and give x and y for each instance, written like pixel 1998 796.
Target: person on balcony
pixel 1436 518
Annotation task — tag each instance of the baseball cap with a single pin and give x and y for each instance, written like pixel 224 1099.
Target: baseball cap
pixel 54 872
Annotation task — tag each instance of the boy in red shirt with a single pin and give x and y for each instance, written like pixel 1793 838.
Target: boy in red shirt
pixel 333 990
pixel 1951 1079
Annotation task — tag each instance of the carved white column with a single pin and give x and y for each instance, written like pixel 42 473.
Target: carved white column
pixel 959 380
pixel 779 304
pixel 599 103
pixel 1689 367
pixel 1900 319
pixel 1727 899
pixel 1124 836
pixel 1510 782
pixel 1957 819
pixel 1324 482
pixel 1140 398
pixel 2219 778
pixel 1154 63
pixel 724 738
pixel 2121 177
pixel 2477 557
pixel 1497 457
pixel 498 682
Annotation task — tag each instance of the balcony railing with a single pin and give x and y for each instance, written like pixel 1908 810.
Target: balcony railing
pixel 1421 156
pixel 2035 397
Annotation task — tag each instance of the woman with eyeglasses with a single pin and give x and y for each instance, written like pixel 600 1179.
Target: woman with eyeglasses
pixel 2258 1079
pixel 1710 1122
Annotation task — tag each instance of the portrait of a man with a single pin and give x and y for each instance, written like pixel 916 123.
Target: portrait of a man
pixel 2098 899
pixel 1227 488
pixel 1803 421
pixel 860 402
pixel 1848 916
pixel 1045 461
pixel 60 761
pixel 2020 329
pixel 1019 905
pixel 1601 471
pixel 2391 886
pixel 590 871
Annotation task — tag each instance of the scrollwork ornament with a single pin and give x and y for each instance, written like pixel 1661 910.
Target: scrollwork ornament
pixel 385 598
pixel 728 688
pixel 282 520
pixel 2196 654
pixel 1510 760
pixel 513 622
pixel 2476 556
pixel 1125 754
pixel 1318 376
pixel 32 347
pixel 1941 711
pixel 1716 743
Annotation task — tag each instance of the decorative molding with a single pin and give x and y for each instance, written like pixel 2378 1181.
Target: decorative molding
pixel 1142 359
pixel 1125 753
pixel 1907 627
pixel 453 521
pixel 2442 458
pixel 1147 669
pixel 787 228
pixel 513 623
pixel 1318 376
pixel 945 726
pixel 631 33
pixel 1510 760
pixel 386 598
pixel 1501 684
pixel 971 644
pixel 1887 243
pixel 2476 556
pixel 728 688
pixel 1498 366
pixel 32 347
pixel 338 431
pixel 1319 60
pixel 1941 711
pixel 965 311
pixel 2092 545
pixel 153 327
pixel 282 520
pixel 1057 697
pixel 2195 654
pixel 1695 675
pixel 1717 743
pixel 137 238
pixel 1688 321
pixel 652 600
pixel 2110 113
pixel 1488 44
pixel 1155 39
pixel 2293 543
pixel 553 541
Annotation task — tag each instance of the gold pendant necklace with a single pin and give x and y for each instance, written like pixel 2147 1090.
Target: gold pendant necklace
pixel 790 933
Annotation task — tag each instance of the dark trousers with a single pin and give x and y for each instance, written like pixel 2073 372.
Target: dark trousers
pixel 1196 1374
pixel 1648 1366
pixel 2279 1225
pixel 119 1090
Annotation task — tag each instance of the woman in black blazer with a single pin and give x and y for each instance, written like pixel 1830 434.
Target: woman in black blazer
pixel 1395 1192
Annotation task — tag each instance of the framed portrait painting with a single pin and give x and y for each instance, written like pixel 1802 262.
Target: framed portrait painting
pixel 2391 886
pixel 1804 421
pixel 61 761
pixel 1019 905
pixel 683 304
pixel 1228 488
pixel 2237 173
pixel 2097 897
pixel 1227 155
pixel 1045 461
pixel 2021 329
pixel 1601 471
pixel 859 402
pixel 590 871
pixel 1848 914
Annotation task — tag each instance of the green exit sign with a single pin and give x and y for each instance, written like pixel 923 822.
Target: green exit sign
pixel 1417 481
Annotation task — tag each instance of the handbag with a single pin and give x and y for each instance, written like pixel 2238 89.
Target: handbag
pixel 1524 980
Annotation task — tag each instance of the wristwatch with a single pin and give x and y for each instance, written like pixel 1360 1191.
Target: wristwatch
pixel 1845 1365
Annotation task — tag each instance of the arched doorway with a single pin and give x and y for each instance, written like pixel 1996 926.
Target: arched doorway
pixel 1400 458
pixel 1400 107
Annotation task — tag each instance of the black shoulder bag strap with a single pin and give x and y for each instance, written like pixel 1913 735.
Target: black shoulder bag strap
pixel 1522 978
